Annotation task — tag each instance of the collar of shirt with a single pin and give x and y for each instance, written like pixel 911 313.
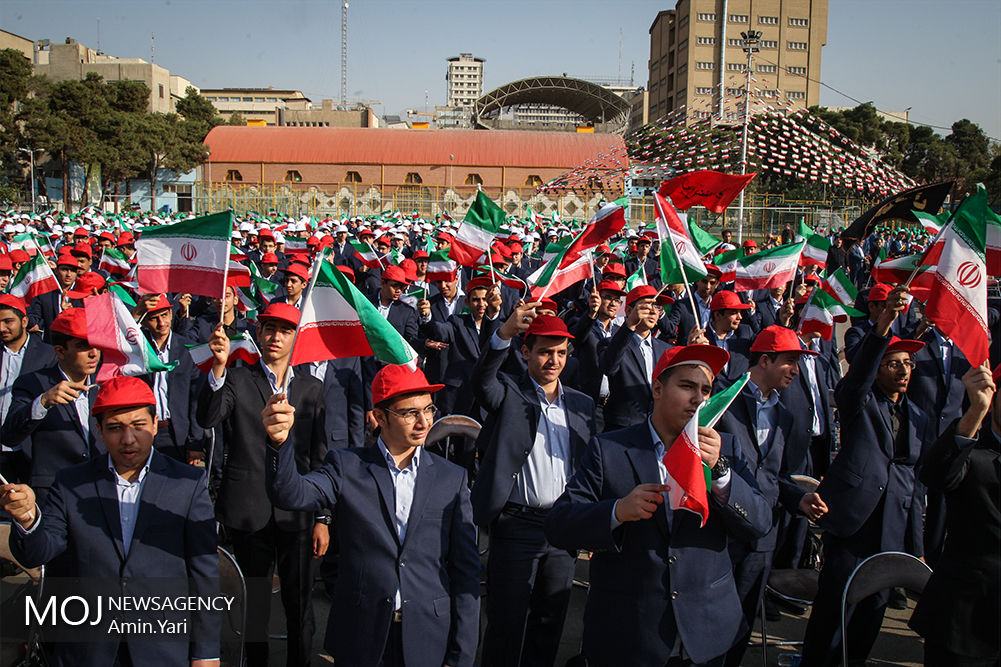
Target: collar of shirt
pixel 415 462
pixel 543 399
pixel 273 379
pixel 762 402
pixel 19 353
pixel 164 352
pixel 121 481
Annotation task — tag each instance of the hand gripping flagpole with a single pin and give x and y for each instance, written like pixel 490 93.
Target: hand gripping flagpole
pixel 308 295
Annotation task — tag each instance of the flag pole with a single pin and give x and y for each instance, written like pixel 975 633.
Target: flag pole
pixel 677 258
pixel 308 294
pixel 377 258
pixel 225 287
pixel 809 300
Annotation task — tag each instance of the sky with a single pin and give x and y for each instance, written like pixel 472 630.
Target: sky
pixel 941 59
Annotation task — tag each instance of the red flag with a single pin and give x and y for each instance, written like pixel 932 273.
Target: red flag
pixel 607 222
pixel 711 189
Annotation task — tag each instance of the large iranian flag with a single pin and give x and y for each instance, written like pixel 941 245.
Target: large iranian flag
pixel 189 257
pixel 958 303
pixel 440 267
pixel 111 327
pixel 33 278
pixel 241 348
pixel 768 268
pixel 477 231
pixel 338 321
pixel 822 310
pixel 680 259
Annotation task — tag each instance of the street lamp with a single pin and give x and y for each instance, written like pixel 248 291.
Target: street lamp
pixel 31 160
pixel 750 39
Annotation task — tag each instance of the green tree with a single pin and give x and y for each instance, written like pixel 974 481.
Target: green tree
pixel 15 84
pixel 170 143
pixel 236 119
pixel 198 112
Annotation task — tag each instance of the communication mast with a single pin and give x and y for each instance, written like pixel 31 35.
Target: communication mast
pixel 344 54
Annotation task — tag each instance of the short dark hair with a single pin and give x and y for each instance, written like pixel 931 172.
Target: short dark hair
pixel 61 339
pixel 531 339
pixel 13 310
pixel 100 415
pixel 666 375
pixel 756 356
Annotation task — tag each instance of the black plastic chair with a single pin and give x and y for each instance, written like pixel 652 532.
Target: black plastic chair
pixel 26 582
pixel 233 585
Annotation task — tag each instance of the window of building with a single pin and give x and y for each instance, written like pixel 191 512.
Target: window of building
pixel 798 71
pixel 473 179
pixel 161 91
pixel 533 181
pixel 799 23
pixel 258 99
pixel 770 93
pixel 703 90
pixel 413 178
pixel 233 175
pixel 705 41
pixel 352 177
pixel 683 45
pixel 210 99
pixel 735 67
pixel 735 42
pixel 683 21
pixel 682 68
pixel 769 44
pixel 272 99
pixel 705 65
pixel 796 95
pixel 293 176
pixel 768 20
pixel 767 69
pixel 797 46
pixel 734 92
pixel 706 16
pixel 738 18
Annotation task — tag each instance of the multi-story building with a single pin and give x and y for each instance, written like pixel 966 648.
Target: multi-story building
pixel 71 61
pixel 329 115
pixel 256 105
pixel 9 40
pixel 465 80
pixel 697 58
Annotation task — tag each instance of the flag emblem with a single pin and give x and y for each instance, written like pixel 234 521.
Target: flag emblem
pixel 188 251
pixel 131 336
pixel 968 274
pixel 768 266
pixel 681 246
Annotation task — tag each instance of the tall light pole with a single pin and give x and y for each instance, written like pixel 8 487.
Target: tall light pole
pixel 750 39
pixel 31 161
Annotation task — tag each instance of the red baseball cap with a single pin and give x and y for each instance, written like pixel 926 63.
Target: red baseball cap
pixel 161 304
pixel 879 292
pixel 409 267
pixel 516 248
pixel 348 271
pixel 778 339
pixel 72 322
pixel 80 231
pixel 106 236
pixel 603 249
pixel 420 254
pixel 366 232
pixel 285 312
pixel 298 270
pixel 727 300
pixel 122 391
pixel 6 264
pixel 126 238
pixel 713 270
pixel 903 345
pixel 67 259
pixel 548 325
pixel 83 249
pixel 265 234
pixel 549 304
pixel 750 243
pixel 15 302
pixel 87 284
pixel 479 282
pixel 395 274
pixel 395 380
pixel 711 357
pixel 610 286
pixel 614 269
pixel 644 291
pixel 19 255
pixel 269 258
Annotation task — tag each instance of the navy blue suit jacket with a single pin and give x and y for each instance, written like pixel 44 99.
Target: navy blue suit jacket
pixel 346 394
pixel 183 385
pixel 630 397
pixel 588 335
pixel 506 438
pixel 798 399
pixel 404 319
pixel 37 355
pixel 464 344
pixel 57 440
pixel 654 580
pixel 43 310
pixel 436 568
pixel 942 397
pixel 80 535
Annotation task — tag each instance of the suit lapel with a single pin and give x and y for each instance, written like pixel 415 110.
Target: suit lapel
pixel 532 400
pixel 644 462
pixel 152 487
pixel 579 433
pixel 108 496
pixel 425 482
pixel 384 482
pixel 261 382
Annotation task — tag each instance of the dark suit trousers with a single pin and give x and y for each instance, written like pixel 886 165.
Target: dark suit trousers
pixel 937 656
pixel 528 591
pixel 258 554
pixel 751 575
pixel 822 641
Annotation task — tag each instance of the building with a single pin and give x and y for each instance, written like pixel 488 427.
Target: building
pixel 639 109
pixel 256 105
pixel 465 80
pixel 554 104
pixel 71 61
pixel 697 59
pixel 328 116
pixel 9 40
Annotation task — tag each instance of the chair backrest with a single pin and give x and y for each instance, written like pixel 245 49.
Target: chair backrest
pixel 453 426
pixel 886 570
pixel 805 482
pixel 232 585
pixel 34 572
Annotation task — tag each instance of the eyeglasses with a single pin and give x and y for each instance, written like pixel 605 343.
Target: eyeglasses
pixel 898 365
pixel 410 416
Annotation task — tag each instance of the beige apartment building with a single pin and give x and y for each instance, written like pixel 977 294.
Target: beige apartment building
pixel 697 57
pixel 71 61
pixel 465 80
pixel 9 40
pixel 256 105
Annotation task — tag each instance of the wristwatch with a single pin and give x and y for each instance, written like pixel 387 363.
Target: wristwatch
pixel 721 468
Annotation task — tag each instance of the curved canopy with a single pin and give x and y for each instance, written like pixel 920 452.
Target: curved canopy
pixel 594 103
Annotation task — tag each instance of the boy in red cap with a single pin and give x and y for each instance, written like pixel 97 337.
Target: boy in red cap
pixel 266 538
pixel 870 485
pixel 407 588
pixel 400 314
pixel 877 300
pixel 44 307
pixel 662 588
pixel 157 532
pixel 597 324
pixel 530 445
pixel 726 330
pixel 296 280
pixel 50 408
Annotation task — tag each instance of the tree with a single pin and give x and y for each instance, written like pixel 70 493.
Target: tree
pixel 198 112
pixel 15 83
pixel 170 143
pixel 236 119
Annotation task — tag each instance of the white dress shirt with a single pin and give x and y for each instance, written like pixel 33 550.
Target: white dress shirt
pixel 404 483
pixel 129 494
pixel 81 404
pixel 10 369
pixel 160 381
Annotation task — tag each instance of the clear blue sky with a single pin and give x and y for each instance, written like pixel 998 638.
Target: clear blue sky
pixel 941 58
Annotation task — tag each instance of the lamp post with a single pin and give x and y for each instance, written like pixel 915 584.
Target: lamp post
pixel 750 39
pixel 31 161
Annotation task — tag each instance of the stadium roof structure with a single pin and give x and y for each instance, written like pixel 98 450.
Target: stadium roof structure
pixel 596 104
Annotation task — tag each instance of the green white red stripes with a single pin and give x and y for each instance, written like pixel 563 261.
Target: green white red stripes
pixel 680 259
pixel 440 267
pixel 33 278
pixel 241 348
pixel 189 257
pixel 822 310
pixel 768 268
pixel 111 327
pixel 477 231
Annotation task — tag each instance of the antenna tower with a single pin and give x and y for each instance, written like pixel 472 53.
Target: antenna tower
pixel 344 54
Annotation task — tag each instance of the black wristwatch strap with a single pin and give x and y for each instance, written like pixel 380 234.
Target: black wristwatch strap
pixel 721 468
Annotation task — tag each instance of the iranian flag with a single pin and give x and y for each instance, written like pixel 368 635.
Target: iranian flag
pixel 768 268
pixel 114 262
pixel 111 327
pixel 477 231
pixel 899 270
pixel 338 321
pixel 33 278
pixel 189 257
pixel 726 262
pixel 440 267
pixel 840 286
pixel 607 222
pixel 550 279
pixel 687 475
pixel 958 302
pixel 702 239
pixel 680 259
pixel 932 223
pixel 241 348
pixel 25 242
pixel 815 250
pixel 822 310
pixel 293 245
pixel 993 240
pixel 537 220
pixel 514 282
pixel 366 254
pixel 638 278
pixel 239 274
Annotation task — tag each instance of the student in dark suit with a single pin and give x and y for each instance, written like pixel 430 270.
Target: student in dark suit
pixel 402 316
pixel 265 537
pixel 200 328
pixel 763 425
pixel 594 326
pixel 50 408
pixel 958 613
pixel 662 588
pixel 530 445
pixel 408 585
pixel 45 307
pixel 876 302
pixel 680 320
pixel 346 398
pixel 726 329
pixel 156 532
pixel 628 359
pixel 771 309
pixel 869 486
pixel 21 353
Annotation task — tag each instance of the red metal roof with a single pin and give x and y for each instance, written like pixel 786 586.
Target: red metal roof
pixel 330 145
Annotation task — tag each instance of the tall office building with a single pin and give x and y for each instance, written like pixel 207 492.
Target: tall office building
pixel 697 56
pixel 465 80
